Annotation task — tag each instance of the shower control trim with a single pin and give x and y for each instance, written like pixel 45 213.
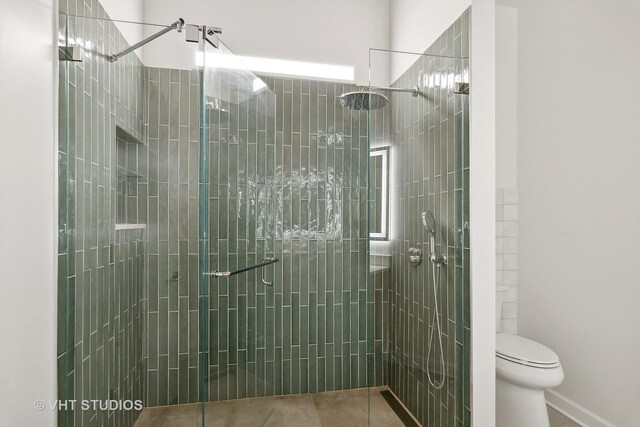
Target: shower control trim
pixel 438 259
pixel 415 254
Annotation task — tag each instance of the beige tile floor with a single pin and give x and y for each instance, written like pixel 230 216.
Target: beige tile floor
pixel 556 419
pixel 335 409
pixel 342 408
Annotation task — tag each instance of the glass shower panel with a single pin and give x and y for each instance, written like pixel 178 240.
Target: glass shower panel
pixel 421 330
pixel 241 331
pixel 128 209
pixel 66 187
pixel 103 245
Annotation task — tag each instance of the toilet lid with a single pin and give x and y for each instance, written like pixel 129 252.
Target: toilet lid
pixel 525 351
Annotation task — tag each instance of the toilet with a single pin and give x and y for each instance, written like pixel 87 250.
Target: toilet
pixel 524 369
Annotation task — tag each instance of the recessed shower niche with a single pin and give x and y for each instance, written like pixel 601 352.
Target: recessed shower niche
pixel 127 175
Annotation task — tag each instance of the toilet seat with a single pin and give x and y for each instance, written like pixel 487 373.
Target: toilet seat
pixel 523 351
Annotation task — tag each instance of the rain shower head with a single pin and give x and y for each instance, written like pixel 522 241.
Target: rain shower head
pixel 429 222
pixel 365 99
pixel 368 99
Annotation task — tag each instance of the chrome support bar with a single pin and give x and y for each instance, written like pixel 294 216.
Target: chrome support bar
pixel 263 263
pixel 175 26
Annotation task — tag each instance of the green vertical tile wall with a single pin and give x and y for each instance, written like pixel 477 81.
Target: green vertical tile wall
pixel 168 203
pixel 287 178
pixel 291 183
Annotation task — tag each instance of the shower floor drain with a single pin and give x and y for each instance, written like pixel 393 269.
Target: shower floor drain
pixel 399 409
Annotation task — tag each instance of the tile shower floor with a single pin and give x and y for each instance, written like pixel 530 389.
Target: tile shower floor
pixel 339 408
pixel 347 408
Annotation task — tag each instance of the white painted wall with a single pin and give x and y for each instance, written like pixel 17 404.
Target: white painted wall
pixel 482 198
pixel 506 96
pixel 330 31
pixel 416 24
pixel 28 214
pixel 506 166
pixel 579 187
pixel 129 10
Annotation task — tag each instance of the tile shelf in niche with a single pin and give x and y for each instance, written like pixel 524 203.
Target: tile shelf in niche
pixel 131 227
pixel 378 268
pixel 126 136
pixel 122 171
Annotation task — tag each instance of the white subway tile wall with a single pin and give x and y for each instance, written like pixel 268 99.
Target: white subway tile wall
pixel 507 257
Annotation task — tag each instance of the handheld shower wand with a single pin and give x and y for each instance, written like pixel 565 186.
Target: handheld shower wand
pixel 437 261
pixel 430 224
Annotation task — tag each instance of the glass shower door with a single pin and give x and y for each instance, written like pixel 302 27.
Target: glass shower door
pixel 239 331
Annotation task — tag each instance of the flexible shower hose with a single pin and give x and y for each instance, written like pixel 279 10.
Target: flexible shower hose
pixel 436 324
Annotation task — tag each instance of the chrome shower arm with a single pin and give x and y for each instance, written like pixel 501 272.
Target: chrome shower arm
pixel 415 91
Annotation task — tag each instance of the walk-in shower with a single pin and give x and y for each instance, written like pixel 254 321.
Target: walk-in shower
pixel 216 262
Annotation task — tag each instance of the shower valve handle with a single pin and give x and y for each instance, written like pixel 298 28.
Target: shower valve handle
pixel 438 259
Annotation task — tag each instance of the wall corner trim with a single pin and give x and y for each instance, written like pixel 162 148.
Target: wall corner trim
pixel 482 215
